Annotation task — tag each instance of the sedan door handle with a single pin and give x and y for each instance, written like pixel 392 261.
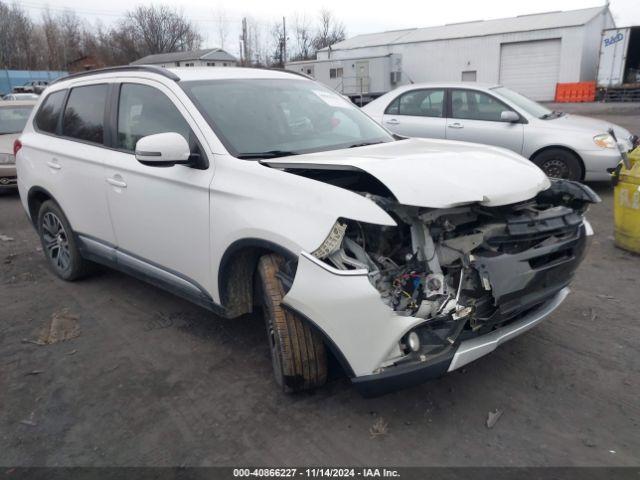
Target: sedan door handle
pixel 393 121
pixel 455 125
pixel 117 183
pixel 54 164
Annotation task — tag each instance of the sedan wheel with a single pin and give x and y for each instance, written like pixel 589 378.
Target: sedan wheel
pixel 559 163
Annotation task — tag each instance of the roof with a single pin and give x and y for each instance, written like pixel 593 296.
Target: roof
pixel 178 74
pixel 213 54
pixel 480 28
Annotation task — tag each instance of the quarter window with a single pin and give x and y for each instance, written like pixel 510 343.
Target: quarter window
pixel 146 111
pixel 49 113
pixel 84 114
pixel 474 105
pixel 419 103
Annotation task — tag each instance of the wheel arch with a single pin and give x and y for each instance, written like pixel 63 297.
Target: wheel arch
pixel 35 198
pixel 236 277
pixel 566 149
pixel 236 272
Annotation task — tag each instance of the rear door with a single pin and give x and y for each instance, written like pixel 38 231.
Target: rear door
pixel 474 116
pixel 68 152
pixel 417 113
pixel 160 214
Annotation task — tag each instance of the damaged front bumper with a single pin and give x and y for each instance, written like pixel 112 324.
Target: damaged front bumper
pixel 364 333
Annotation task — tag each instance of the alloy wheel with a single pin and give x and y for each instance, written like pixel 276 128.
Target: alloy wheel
pixel 56 242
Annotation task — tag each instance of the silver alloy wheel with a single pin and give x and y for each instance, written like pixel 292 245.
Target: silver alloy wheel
pixel 555 168
pixel 55 241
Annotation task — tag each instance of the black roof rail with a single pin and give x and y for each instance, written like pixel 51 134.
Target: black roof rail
pixel 123 68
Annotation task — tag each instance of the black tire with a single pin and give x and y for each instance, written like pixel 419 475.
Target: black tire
pixel 298 355
pixel 59 244
pixel 559 163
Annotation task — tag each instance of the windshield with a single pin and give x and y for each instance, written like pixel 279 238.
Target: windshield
pixel 526 104
pixel 259 118
pixel 13 119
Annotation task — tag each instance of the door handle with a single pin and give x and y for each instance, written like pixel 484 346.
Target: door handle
pixel 393 121
pixel 117 183
pixel 455 125
pixel 54 164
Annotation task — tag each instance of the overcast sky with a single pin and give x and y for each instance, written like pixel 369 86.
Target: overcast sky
pixel 358 16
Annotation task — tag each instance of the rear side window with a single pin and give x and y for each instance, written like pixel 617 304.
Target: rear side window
pixel 146 111
pixel 47 117
pixel 84 114
pixel 418 103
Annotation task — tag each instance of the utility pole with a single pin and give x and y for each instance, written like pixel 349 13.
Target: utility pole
pixel 244 41
pixel 284 41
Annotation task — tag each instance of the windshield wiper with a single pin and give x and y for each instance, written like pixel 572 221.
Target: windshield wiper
pixel 365 144
pixel 269 154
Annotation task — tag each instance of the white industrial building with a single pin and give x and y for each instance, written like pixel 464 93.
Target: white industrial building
pixel 528 53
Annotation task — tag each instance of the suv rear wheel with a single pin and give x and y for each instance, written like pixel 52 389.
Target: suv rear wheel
pixel 59 244
pixel 298 354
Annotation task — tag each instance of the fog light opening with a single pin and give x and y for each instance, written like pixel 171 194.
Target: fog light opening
pixel 413 341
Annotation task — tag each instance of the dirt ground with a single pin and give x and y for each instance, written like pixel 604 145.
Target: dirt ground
pixel 146 378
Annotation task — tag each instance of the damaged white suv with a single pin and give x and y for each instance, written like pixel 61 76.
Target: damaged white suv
pixel 240 187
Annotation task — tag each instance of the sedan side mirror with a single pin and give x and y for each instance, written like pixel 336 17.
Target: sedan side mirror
pixel 509 116
pixel 162 149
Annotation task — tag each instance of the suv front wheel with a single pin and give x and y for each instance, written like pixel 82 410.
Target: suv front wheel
pixel 298 354
pixel 59 244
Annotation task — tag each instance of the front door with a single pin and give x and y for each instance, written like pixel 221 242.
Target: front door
pixel 160 214
pixel 475 117
pixel 362 77
pixel 417 113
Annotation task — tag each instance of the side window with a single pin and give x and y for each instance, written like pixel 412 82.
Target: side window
pixel 146 111
pixel 47 117
pixel 84 114
pixel 472 105
pixel 419 103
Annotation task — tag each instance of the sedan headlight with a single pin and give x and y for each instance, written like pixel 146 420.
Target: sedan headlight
pixel 7 158
pixel 605 141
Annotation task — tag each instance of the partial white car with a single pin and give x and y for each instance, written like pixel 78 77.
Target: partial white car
pixel 13 118
pixel 561 144
pixel 21 97
pixel 238 187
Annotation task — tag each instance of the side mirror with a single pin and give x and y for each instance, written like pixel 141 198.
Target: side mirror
pixel 162 149
pixel 509 116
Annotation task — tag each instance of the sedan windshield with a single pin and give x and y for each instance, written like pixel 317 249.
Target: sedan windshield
pixel 13 119
pixel 526 104
pixel 266 118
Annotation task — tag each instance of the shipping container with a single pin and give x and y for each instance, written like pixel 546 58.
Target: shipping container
pixel 619 57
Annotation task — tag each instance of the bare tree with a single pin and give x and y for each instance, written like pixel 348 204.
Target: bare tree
pixel 303 38
pixel 222 25
pixel 278 45
pixel 329 32
pixel 154 29
pixel 16 29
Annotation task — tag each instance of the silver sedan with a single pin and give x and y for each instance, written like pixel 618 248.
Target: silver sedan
pixel 562 145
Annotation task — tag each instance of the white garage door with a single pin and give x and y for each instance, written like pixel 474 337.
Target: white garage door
pixel 531 68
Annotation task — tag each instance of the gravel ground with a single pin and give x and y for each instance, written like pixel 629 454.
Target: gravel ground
pixel 145 378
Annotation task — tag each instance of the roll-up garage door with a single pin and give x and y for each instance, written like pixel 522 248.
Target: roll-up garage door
pixel 531 68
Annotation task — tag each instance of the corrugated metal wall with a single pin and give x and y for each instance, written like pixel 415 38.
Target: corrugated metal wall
pixel 14 78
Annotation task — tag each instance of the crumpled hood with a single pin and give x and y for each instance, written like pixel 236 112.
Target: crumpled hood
pixel 434 173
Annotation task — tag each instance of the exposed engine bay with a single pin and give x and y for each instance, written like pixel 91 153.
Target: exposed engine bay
pixel 469 269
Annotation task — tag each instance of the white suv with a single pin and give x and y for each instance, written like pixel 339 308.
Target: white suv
pixel 238 187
